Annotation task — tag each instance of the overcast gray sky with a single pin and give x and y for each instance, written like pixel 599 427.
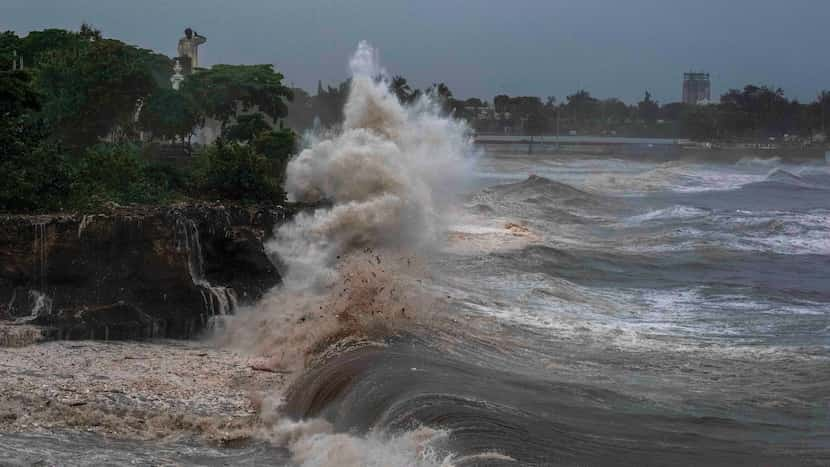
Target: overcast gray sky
pixel 484 47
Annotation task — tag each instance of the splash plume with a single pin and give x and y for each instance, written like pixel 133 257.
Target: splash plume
pixel 386 173
pixel 350 270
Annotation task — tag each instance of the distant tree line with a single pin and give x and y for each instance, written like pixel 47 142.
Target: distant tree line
pixel 751 113
pixel 754 112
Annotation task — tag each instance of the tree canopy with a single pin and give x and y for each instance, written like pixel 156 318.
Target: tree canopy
pixel 35 174
pixel 224 90
pixel 169 114
pixel 69 124
pixel 90 85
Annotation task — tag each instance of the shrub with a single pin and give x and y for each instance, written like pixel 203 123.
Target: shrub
pixel 118 173
pixel 36 176
pixel 277 146
pixel 246 128
pixel 238 172
pixel 38 180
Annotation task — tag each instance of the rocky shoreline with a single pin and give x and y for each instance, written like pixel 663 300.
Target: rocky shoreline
pixel 98 315
pixel 132 272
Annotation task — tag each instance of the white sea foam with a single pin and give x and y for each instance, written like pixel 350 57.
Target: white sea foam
pixel 685 319
pixel 680 177
pixel 780 232
pixel 674 212
pixel 388 173
pixel 314 443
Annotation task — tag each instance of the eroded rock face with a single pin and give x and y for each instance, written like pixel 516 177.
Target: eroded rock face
pixel 133 273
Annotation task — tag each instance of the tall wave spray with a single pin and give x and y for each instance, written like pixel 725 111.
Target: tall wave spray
pixel 386 173
pixel 348 268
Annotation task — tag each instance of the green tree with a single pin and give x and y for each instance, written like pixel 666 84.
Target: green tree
pixel 39 47
pixel 169 114
pixel 35 175
pixel 9 46
pixel 246 128
pixel 758 111
pixel 277 146
pixel 702 122
pixel 224 90
pixel 92 88
pixel 236 171
pixel 582 108
pixel 402 90
pixel 819 112
pixel 442 95
pixel 118 172
pixel 614 111
pixel 673 111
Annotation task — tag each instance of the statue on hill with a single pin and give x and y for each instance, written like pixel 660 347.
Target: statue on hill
pixel 189 49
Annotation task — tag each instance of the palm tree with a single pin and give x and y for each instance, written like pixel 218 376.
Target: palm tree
pixel 442 94
pixel 401 89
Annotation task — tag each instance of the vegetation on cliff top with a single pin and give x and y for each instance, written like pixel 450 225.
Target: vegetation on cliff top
pixel 71 124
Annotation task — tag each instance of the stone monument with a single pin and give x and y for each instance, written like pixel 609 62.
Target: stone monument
pixel 189 49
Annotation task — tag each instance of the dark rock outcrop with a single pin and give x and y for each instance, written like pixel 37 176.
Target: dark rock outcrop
pixel 134 272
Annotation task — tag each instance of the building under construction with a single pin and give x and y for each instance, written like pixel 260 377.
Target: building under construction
pixel 697 88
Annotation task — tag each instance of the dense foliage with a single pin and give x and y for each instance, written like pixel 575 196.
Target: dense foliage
pixel 169 115
pixel 90 85
pixel 225 90
pixel 119 173
pixel 238 172
pixel 35 174
pixel 71 125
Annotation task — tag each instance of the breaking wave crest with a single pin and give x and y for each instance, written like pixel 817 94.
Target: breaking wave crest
pixel 386 173
pixel 536 189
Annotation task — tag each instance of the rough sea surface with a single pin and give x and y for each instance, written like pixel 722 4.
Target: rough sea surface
pixel 594 311
pixel 615 312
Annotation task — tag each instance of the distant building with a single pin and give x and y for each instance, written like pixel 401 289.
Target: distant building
pixel 697 88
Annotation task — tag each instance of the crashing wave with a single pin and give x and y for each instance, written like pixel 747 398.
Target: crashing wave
pixel 351 275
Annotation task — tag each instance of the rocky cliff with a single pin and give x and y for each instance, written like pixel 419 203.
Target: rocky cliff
pixel 132 273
